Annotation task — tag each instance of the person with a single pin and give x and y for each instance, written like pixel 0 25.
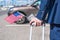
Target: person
pixel 50 13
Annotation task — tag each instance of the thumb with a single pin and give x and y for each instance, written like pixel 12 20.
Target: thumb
pixel 32 22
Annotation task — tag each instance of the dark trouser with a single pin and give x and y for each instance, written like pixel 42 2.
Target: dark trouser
pixel 54 32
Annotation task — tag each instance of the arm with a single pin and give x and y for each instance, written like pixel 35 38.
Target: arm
pixel 43 9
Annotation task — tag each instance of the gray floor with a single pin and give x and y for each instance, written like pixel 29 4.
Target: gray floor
pixel 19 32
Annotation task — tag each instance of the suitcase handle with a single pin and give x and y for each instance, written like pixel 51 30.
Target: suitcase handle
pixel 31 26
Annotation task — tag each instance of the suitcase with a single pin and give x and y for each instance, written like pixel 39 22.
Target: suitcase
pixel 30 36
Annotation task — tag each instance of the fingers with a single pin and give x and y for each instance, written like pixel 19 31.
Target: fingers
pixel 31 22
pixel 39 24
pixel 36 22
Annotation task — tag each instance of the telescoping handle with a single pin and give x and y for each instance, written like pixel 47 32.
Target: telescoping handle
pixel 43 28
pixel 30 36
pixel 31 27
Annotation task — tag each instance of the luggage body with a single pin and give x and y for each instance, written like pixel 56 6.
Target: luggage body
pixel 31 27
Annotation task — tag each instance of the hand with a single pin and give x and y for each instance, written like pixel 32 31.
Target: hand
pixel 36 21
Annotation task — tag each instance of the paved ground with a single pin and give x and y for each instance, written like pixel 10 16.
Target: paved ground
pixel 19 32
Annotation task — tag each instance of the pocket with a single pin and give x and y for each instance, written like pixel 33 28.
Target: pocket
pixel 57 32
pixel 57 29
